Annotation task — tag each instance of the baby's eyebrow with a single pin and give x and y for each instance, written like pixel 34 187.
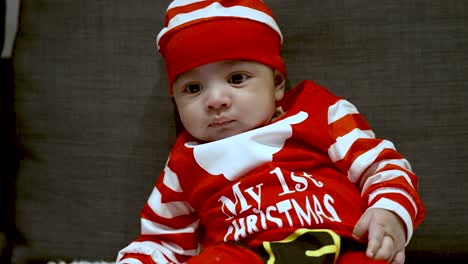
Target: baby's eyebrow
pixel 186 77
pixel 234 62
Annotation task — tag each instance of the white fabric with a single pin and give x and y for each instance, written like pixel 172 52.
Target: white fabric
pixel 258 147
pixel 217 10
pixel 169 209
pixel 340 109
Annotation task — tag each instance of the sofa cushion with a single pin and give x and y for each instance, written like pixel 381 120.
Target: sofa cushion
pixel 95 119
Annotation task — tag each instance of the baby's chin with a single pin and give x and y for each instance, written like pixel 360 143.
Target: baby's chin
pixel 223 135
pixel 236 128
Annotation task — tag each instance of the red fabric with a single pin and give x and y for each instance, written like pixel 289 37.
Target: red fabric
pixel 255 4
pixel 263 184
pixel 226 254
pixel 143 258
pixel 357 257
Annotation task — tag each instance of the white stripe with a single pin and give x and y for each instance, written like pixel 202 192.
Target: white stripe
pixel 394 190
pixel 395 207
pixel 217 10
pixel 340 109
pixel 338 150
pixel 143 247
pixel 361 163
pixel 180 251
pixel 403 163
pixel 170 209
pixel 132 261
pixel 386 176
pixel 151 228
pixel 11 27
pixel 171 179
pixel 160 253
pixel 163 253
pixel 177 3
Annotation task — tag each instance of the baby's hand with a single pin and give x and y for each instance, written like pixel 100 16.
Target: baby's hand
pixel 385 233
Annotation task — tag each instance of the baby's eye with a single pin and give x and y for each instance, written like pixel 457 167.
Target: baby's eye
pixel 193 88
pixel 238 78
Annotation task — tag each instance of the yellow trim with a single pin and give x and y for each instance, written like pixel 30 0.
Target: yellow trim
pixel 272 258
pixel 322 251
pixel 310 253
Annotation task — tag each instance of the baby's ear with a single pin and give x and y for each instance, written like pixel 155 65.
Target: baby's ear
pixel 280 83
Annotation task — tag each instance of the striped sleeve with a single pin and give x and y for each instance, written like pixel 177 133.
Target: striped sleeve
pixel 169 226
pixel 383 175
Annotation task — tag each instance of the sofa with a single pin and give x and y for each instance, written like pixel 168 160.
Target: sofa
pixel 87 121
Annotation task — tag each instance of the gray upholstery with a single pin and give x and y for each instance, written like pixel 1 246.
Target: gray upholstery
pixel 94 118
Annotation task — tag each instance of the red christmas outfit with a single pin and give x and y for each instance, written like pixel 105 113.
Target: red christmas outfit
pixel 319 166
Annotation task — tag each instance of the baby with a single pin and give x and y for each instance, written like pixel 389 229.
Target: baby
pixel 263 175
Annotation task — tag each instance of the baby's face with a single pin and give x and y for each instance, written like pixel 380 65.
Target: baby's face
pixel 225 98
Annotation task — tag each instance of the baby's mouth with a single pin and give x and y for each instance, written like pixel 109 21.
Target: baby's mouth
pixel 221 123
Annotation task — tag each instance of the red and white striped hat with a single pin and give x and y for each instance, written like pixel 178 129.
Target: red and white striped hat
pixel 198 32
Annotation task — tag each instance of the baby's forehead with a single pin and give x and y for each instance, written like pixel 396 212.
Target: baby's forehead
pixel 230 63
pixel 222 67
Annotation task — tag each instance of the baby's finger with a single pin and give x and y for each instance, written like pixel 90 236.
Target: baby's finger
pixel 361 227
pixel 386 250
pixel 399 258
pixel 375 236
pixel 372 247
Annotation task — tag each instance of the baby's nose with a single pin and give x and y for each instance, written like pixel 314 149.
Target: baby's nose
pixel 218 97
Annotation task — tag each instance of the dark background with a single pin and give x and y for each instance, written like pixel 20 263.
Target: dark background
pixel 87 120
